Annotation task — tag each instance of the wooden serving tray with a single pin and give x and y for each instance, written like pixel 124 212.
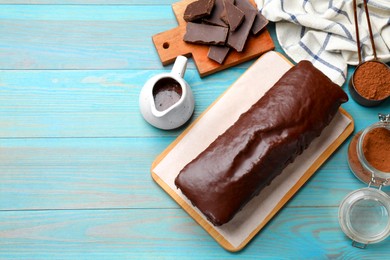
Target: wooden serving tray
pixel 234 235
pixel 170 44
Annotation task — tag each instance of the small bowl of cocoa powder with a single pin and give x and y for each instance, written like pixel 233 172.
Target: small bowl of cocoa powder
pixel 370 83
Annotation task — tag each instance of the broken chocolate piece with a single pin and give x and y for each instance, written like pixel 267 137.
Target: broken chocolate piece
pixel 223 14
pixel 205 34
pixel 218 53
pixel 198 9
pixel 237 39
pixel 234 16
pixel 215 16
pixel 245 4
pixel 259 23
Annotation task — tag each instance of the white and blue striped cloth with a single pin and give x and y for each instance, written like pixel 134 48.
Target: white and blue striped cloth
pixel 324 31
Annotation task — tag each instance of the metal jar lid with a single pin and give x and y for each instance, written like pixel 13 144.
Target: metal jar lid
pixel 364 216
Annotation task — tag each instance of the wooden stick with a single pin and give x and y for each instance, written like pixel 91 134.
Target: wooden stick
pixel 357 31
pixel 369 28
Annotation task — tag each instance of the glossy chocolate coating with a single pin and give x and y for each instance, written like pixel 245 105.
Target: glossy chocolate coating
pixel 261 143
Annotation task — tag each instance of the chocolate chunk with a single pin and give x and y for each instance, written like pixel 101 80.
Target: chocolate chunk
pixel 259 23
pixel 237 39
pixel 234 16
pixel 223 14
pixel 198 9
pixel 218 53
pixel 205 34
pixel 215 17
pixel 245 4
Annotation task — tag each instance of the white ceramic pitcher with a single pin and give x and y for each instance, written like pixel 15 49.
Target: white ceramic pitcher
pixel 175 114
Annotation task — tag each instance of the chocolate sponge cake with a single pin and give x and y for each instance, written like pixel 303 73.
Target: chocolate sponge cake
pixel 261 143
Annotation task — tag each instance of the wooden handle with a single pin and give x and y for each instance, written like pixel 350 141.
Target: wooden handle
pixel 170 44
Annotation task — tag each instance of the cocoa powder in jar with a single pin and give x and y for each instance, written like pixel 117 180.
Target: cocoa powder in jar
pixel 354 163
pixel 372 80
pixel 376 149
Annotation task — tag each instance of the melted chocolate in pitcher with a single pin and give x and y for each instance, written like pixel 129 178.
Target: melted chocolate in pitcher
pixel 166 93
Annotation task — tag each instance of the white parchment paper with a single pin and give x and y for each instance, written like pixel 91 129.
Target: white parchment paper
pixel 249 88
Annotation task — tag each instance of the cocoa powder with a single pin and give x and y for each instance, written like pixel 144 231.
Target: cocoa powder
pixel 372 80
pixel 376 148
pixel 354 162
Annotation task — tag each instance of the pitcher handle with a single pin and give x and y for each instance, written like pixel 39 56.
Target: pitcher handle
pixel 179 68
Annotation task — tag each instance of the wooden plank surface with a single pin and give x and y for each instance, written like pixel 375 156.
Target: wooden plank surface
pixel 63 103
pixel 89 2
pixel 81 36
pixel 96 173
pixel 295 233
pixel 75 154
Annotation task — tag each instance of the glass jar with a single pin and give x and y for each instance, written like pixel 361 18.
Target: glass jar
pixel 364 214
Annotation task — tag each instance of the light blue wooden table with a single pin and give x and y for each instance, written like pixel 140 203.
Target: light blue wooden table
pixel 75 152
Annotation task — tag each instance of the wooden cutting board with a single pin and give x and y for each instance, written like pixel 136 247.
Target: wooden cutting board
pixel 170 44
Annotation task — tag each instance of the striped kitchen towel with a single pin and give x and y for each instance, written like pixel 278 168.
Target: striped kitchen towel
pixel 324 31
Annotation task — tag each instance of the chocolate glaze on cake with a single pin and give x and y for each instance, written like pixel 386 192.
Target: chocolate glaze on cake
pixel 261 143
